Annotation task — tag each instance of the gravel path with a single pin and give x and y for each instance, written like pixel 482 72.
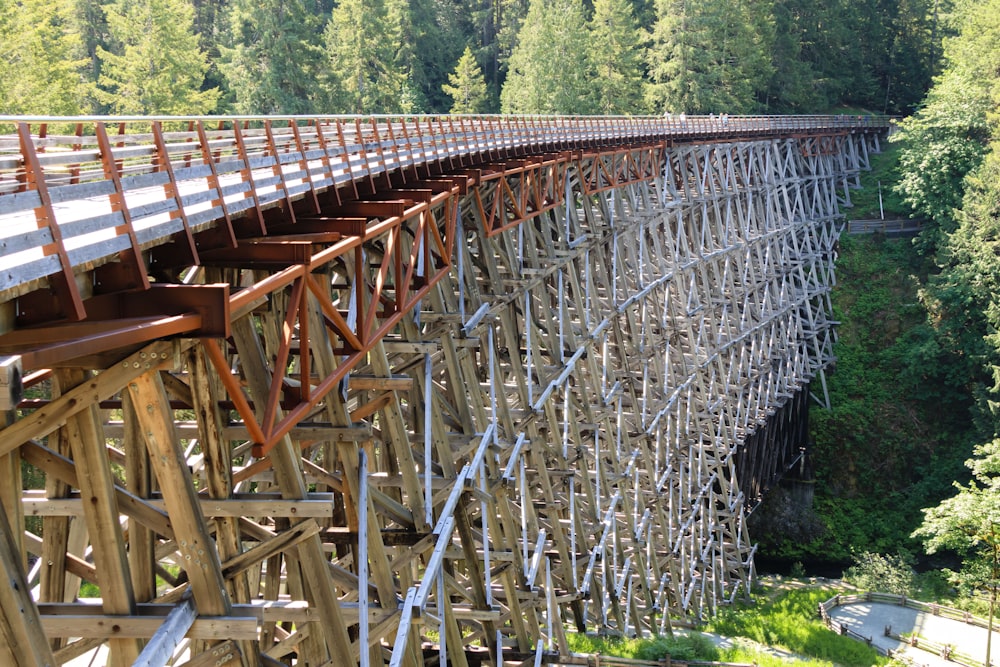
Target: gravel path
pixel 871 618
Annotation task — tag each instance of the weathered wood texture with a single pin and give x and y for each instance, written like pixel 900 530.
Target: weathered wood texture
pixel 569 377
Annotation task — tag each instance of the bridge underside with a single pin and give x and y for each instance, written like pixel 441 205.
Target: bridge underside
pixel 528 396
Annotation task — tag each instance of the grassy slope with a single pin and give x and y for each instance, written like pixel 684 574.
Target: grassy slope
pixel 885 172
pixel 784 617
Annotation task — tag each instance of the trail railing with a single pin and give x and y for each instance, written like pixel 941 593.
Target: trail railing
pixel 946 651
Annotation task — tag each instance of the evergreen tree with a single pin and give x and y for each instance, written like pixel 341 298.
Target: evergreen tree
pixel 549 71
pixel 496 25
pixel 466 86
pixel 893 41
pixel 211 24
pixel 436 33
pixel 90 16
pixel 831 45
pixel 949 137
pixel 793 87
pixel 968 524
pixel 616 58
pixel 156 66
pixel 363 43
pixel 711 55
pixel 42 59
pixel 942 143
pixel 274 59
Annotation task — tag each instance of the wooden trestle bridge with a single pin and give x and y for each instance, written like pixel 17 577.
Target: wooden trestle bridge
pixel 329 391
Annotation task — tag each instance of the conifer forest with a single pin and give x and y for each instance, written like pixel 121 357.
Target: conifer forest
pixel 511 56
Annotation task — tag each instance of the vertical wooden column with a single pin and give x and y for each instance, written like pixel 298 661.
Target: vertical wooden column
pixel 22 642
pixel 319 589
pixel 199 556
pixel 218 476
pixel 139 481
pixel 86 439
pixel 55 584
pixel 10 490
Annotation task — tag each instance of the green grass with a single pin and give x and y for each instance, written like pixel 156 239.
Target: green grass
pixel 884 169
pixel 748 656
pixel 682 647
pixel 783 617
pixel 788 619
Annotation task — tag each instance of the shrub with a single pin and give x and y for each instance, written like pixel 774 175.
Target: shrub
pixel 890 573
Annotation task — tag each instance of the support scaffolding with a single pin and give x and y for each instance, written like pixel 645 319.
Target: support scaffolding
pixel 450 423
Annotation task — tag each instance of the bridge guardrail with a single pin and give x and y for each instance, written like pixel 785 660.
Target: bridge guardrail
pixel 76 193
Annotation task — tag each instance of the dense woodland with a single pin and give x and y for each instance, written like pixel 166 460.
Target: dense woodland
pixel 467 56
pixel 908 459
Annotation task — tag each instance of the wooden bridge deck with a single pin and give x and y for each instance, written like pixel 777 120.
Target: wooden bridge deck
pixel 510 372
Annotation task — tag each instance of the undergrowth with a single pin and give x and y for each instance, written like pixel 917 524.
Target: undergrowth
pixel 681 647
pixel 788 619
pixel 884 170
pixel 781 618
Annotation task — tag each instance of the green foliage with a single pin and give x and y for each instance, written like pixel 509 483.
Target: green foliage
pixel 607 56
pixel 968 522
pixel 466 86
pixel 833 46
pixel 710 56
pixel 884 174
pixel 365 62
pixel 273 58
pixel 900 425
pixel 791 87
pixel 947 139
pixel 549 72
pixel 42 58
pixel 788 619
pixel 494 27
pixel 751 656
pixel 616 58
pixel 941 144
pixel 693 646
pixel 153 65
pixel 885 573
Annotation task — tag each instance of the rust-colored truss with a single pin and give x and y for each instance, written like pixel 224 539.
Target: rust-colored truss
pixel 513 192
pixel 607 169
pixel 410 250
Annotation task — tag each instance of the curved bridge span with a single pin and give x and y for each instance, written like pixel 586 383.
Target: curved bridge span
pixel 328 391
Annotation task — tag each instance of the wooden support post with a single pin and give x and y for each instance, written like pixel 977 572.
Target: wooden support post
pixel 23 642
pixel 197 549
pixel 218 474
pixel 139 481
pixel 83 430
pixel 315 566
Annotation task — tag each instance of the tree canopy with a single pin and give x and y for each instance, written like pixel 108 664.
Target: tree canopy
pixel 466 86
pixel 537 56
pixel 153 64
pixel 549 71
pixel 42 58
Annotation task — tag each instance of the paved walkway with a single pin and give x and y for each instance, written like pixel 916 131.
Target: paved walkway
pixel 871 618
